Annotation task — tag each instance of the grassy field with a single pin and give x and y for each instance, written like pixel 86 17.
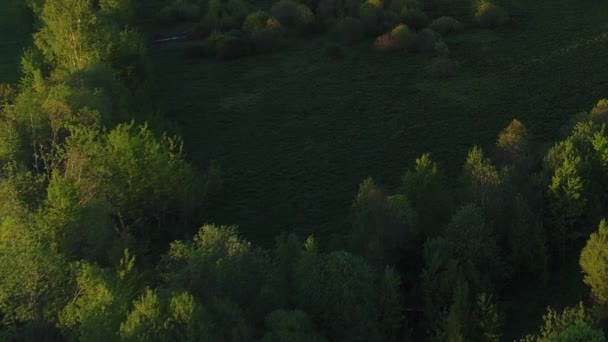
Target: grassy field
pixel 15 35
pixel 296 131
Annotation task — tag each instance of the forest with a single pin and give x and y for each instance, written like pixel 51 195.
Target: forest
pixel 303 170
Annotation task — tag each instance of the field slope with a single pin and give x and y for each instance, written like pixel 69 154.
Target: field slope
pixel 296 132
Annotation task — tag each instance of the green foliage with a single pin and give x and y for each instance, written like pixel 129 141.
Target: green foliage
pixel 426 187
pixel 339 291
pixel 482 181
pixel 260 20
pixel 426 40
pixel 594 263
pixel 415 18
pixel 528 253
pixel 403 38
pixel 512 145
pixel 99 304
pixel 445 25
pixel 572 324
pixel 141 177
pixel 599 113
pixel 35 278
pixel 218 262
pixel 488 14
pixel 349 29
pixel 391 305
pixel 167 317
pixel 225 15
pixel 287 326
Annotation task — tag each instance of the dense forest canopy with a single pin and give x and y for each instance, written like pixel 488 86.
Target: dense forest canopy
pixel 105 229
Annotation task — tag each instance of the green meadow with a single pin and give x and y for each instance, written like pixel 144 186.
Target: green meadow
pixel 295 131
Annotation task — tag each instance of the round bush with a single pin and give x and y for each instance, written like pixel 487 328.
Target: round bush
pixel 403 38
pixel 384 42
pixel 415 18
pixel 442 67
pixel 441 49
pixel 260 20
pixel 232 45
pixel 426 40
pixel 286 11
pixel 266 40
pixel 306 19
pixel 489 15
pixel 387 19
pixel 180 11
pixel 349 29
pixel 399 5
pixel 599 113
pixel 445 25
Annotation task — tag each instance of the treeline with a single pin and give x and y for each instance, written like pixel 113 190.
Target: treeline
pixel 239 28
pixel 89 204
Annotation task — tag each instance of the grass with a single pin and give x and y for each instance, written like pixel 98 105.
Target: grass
pixel 15 35
pixel 296 132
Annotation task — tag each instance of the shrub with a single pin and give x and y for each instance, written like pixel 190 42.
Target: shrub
pixel 232 45
pixel 349 29
pixel 599 113
pixel 260 20
pixel 266 40
pixel 403 38
pixel 286 11
pixel 306 19
pixel 415 18
pixel 384 42
pixel 442 67
pixel 490 15
pixel 445 25
pixel 225 15
pixel 426 40
pixel 334 51
pixel 441 49
pixel 399 5
pixel 387 19
pixel 180 11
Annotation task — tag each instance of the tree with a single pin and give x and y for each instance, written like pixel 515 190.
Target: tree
pixel 166 317
pixel 483 182
pixel 594 263
pixel 287 326
pixel 428 192
pixel 512 144
pixel 71 37
pixel 219 263
pixel 35 279
pixel 572 324
pixel 339 291
pixel 391 305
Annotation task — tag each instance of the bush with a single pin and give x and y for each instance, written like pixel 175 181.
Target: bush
pixel 286 11
pixel 260 20
pixel 403 38
pixel 306 19
pixel 445 25
pixel 426 40
pixel 225 15
pixel 387 19
pixel 599 113
pixel 266 40
pixel 334 51
pixel 442 67
pixel 399 5
pixel 441 49
pixel 415 18
pixel 384 42
pixel 181 11
pixel 490 15
pixel 232 45
pixel 349 29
